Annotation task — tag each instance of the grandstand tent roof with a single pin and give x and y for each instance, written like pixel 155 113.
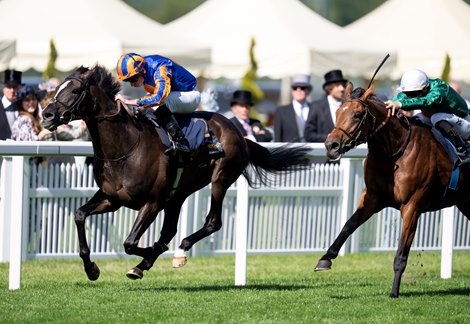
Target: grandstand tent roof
pixel 419 33
pixel 86 32
pixel 285 32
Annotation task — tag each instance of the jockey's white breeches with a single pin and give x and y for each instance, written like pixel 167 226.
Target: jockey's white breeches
pixel 461 125
pixel 183 102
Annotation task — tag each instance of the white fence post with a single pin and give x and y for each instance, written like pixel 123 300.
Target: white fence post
pixel 17 204
pixel 447 242
pixel 5 208
pixel 241 231
pixel 346 197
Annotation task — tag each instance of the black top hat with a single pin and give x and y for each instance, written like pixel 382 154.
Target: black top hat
pixel 12 78
pixel 242 97
pixel 334 76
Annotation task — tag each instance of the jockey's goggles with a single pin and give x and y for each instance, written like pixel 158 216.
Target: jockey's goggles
pixel 133 78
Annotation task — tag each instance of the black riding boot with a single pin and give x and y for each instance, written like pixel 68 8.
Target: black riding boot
pixel 462 146
pixel 168 121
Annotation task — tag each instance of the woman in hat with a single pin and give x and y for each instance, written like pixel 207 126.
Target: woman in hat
pixel 250 128
pixel 27 126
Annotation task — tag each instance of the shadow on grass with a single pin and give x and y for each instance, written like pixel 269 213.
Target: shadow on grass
pixel 222 287
pixel 446 292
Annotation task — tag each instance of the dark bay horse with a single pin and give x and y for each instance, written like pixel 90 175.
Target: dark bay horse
pixel 131 169
pixel 406 168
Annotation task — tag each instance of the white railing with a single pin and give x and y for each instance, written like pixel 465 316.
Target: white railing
pixel 302 212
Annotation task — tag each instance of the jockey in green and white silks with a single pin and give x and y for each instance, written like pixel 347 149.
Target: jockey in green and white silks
pixel 437 101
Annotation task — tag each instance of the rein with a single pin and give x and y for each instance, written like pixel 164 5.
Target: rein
pixel 72 114
pixel 353 138
pixel 120 104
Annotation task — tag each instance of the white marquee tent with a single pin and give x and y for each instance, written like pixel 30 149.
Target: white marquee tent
pixel 285 31
pixel 86 32
pixel 419 33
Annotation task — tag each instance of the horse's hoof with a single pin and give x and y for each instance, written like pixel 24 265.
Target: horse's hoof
pixel 179 261
pixel 135 273
pixel 93 272
pixel 323 265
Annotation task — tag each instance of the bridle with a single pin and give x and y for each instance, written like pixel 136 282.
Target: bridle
pixel 353 138
pixel 71 113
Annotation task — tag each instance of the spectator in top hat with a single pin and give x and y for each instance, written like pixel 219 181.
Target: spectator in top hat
pixel 250 128
pixel 289 120
pixel 9 112
pixel 322 118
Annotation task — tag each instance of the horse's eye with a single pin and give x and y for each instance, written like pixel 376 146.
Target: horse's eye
pixel 76 91
pixel 358 115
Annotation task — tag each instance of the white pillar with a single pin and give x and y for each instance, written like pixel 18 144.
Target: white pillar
pixel 5 208
pixel 347 196
pixel 241 232
pixel 16 242
pixel 447 242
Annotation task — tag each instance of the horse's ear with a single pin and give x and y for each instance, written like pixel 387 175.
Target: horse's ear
pixel 367 93
pixel 348 91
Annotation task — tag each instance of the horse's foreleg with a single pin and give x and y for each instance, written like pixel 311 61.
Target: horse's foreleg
pixel 98 204
pixel 366 208
pixel 410 216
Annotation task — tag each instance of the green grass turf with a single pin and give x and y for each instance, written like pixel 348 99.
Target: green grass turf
pixel 280 289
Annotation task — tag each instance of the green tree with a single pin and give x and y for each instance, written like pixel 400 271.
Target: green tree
pixel 445 76
pixel 50 71
pixel 249 79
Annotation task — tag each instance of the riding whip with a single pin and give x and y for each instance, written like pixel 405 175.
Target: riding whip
pixel 377 70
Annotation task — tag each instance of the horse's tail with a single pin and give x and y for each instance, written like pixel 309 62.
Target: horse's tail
pixel 276 160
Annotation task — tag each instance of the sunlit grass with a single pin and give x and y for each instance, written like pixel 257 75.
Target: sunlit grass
pixel 280 289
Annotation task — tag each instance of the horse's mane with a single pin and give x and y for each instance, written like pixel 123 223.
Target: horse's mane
pixel 358 92
pixel 102 78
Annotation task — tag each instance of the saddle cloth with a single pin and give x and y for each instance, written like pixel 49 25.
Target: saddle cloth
pixel 196 131
pixel 448 147
pixel 446 144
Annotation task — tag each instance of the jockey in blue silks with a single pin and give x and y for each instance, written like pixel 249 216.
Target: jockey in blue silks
pixel 170 89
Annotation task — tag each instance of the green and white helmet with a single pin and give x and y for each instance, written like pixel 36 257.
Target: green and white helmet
pixel 413 80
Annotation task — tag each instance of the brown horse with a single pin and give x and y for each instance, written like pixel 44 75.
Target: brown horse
pixel 131 169
pixel 406 168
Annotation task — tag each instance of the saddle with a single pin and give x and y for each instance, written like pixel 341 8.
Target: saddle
pixel 202 140
pixel 449 148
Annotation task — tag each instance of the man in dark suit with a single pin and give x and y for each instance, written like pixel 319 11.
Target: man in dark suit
pixel 289 120
pixel 8 111
pixel 322 118
pixel 250 128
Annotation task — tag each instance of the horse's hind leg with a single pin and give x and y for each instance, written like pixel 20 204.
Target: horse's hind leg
pixel 213 220
pixel 98 204
pixel 168 231
pixel 410 216
pixel 145 218
pixel 366 208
